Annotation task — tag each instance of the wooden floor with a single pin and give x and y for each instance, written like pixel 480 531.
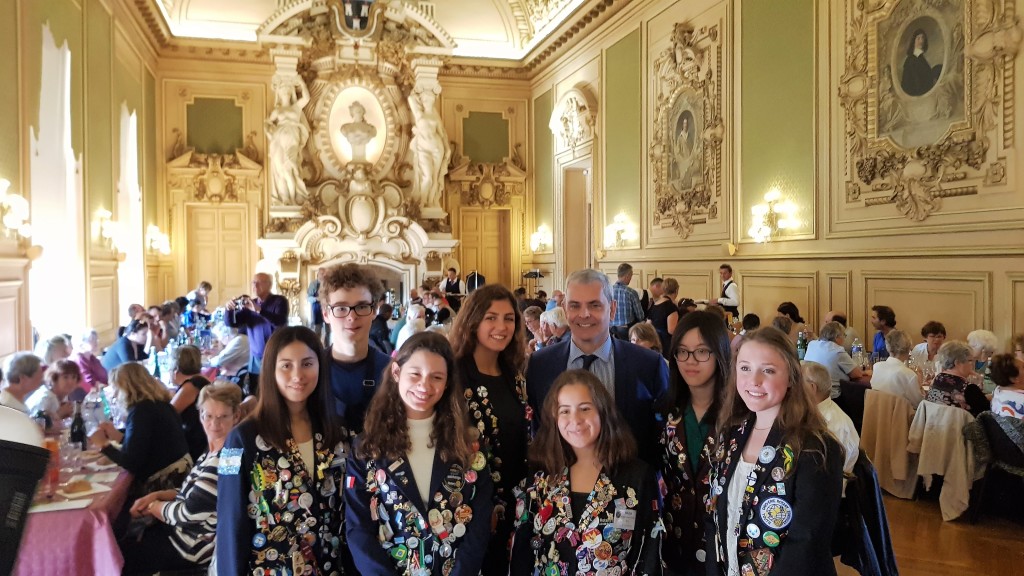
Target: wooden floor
pixel 927 546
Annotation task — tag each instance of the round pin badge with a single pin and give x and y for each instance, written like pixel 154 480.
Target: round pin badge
pixel 306 500
pixel 259 541
pixel 701 555
pixel 412 542
pixel 753 531
pixel 771 539
pixel 272 555
pixel 283 463
pixel 778 473
pixel 459 530
pixel 767 455
pixel 261 443
pixel 776 513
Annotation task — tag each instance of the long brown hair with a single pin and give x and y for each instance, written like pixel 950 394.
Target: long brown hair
pixel 386 429
pixel 550 453
pixel 798 417
pixel 467 322
pixel 273 422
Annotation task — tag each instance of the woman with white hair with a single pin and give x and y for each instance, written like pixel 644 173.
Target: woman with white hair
pixel 951 386
pixel 235 354
pixel 892 375
pixel 984 344
pixel 414 323
pixel 554 325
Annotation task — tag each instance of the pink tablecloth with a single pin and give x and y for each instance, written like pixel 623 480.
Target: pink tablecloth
pixel 75 542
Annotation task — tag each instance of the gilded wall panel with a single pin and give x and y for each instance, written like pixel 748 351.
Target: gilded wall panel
pixel 961 301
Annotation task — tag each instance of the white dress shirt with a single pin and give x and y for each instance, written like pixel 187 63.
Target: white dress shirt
pixel 893 377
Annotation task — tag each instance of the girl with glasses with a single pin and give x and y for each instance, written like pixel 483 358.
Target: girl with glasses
pixel 776 474
pixel 488 338
pixel 696 376
pixel 279 505
pixel 592 507
pixel 418 492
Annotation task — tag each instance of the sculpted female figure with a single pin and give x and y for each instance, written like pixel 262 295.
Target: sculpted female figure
pixel 429 147
pixel 287 133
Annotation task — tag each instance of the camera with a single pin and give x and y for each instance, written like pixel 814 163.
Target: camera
pixel 241 301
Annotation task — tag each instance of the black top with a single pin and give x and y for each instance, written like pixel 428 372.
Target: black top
pixel 190 423
pixel 512 431
pixel 153 440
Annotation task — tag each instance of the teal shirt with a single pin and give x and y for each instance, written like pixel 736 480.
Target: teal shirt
pixel 696 433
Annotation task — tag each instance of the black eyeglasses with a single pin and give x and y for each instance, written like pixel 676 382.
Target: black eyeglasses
pixel 700 354
pixel 340 311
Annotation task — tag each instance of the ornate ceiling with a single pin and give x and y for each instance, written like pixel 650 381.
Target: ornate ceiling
pixel 493 29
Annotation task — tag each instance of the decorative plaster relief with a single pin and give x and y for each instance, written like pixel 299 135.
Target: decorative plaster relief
pixel 574 119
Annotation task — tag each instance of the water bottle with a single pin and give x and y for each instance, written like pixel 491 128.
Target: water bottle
pixel 92 410
pixel 801 344
pixel 857 352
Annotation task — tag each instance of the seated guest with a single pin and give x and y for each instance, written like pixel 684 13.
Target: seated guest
pixel 186 519
pixel 934 334
pixel 1018 346
pixel 984 344
pixel 52 399
pixel 643 334
pixel 89 364
pixel 892 375
pixel 1008 374
pixel 819 387
pixel 750 323
pixel 170 321
pixel 235 354
pixel 153 446
pixel 554 325
pixel 850 332
pixel 56 348
pixel 828 351
pixel 534 333
pixel 950 387
pixel 128 348
pixel 186 368
pixel 790 310
pixel 23 373
pixel 133 312
pixel 414 324
pixel 443 313
pixel 784 324
pixel 200 295
pixel 686 305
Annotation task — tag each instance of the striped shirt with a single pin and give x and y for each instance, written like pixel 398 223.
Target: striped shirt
pixel 627 306
pixel 193 513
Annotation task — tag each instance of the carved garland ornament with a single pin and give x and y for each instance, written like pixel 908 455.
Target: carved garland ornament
pixel 928 99
pixel 574 119
pixel 686 150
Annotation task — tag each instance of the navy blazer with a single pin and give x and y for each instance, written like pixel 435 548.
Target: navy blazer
pixel 641 380
pixel 388 526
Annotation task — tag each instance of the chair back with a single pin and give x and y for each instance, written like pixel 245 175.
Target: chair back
pixel 1004 450
pixel 937 435
pixel 887 419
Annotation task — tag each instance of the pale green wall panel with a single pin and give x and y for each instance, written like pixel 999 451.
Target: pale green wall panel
pixel 150 157
pixel 544 158
pixel 778 104
pixel 65 19
pixel 214 126
pixel 485 137
pixel 10 168
pixel 622 129
pixel 102 126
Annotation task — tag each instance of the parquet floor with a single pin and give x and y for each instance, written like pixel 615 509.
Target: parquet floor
pixel 927 546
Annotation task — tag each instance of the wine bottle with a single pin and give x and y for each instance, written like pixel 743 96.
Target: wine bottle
pixel 78 435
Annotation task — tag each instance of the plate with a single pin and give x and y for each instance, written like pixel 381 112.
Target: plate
pixel 95 489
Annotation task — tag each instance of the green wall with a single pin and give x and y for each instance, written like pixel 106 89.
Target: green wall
pixel 543 161
pixel 214 126
pixel 150 157
pixel 485 137
pixel 778 103
pixel 10 168
pixel 622 129
pixel 66 23
pixel 103 126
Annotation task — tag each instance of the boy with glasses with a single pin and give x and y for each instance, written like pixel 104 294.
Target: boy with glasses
pixel 349 294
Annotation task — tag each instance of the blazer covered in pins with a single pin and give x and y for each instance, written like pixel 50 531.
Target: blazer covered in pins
pixel 789 509
pixel 391 530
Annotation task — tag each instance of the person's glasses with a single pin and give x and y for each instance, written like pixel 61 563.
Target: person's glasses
pixel 340 311
pixel 700 354
pixel 218 419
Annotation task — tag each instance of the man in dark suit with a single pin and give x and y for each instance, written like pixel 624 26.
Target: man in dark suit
pixel 636 377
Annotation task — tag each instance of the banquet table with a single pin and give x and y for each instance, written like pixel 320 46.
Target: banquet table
pixel 75 542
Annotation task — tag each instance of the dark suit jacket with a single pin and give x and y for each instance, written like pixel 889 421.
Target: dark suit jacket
pixel 641 379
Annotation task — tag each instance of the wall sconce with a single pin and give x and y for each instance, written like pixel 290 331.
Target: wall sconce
pixel 771 216
pixel 620 232
pixel 107 228
pixel 542 239
pixel 156 241
pixel 15 212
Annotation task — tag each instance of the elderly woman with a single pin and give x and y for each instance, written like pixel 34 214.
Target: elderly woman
pixel 534 333
pixel 984 344
pixel 414 323
pixel 153 446
pixel 554 325
pixel 56 348
pixel 128 348
pixel 183 536
pixel 52 399
pixel 235 354
pixel 1008 374
pixel 934 334
pixel 187 364
pixel 828 351
pixel 1018 346
pixel 892 375
pixel 89 364
pixel 23 373
pixel 951 387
